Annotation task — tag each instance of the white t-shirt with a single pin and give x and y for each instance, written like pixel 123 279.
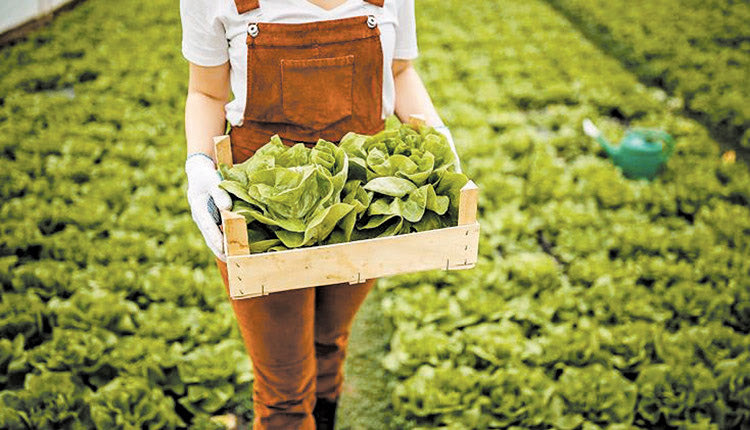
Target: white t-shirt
pixel 213 32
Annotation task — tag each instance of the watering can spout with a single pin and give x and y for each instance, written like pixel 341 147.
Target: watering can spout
pixel 592 131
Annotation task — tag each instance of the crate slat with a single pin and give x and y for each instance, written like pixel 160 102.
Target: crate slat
pixel 467 204
pixel 235 233
pixel 353 262
pixel 223 149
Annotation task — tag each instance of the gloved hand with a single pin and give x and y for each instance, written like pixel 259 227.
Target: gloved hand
pixel 203 185
pixel 442 129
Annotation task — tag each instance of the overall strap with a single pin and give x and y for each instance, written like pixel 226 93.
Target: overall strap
pixel 246 5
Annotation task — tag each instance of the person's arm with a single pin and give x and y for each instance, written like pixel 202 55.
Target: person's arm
pixel 411 95
pixel 208 91
pixel 412 98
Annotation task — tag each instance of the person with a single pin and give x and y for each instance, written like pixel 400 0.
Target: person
pixel 302 69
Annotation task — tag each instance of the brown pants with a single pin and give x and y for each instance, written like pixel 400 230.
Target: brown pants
pixel 297 342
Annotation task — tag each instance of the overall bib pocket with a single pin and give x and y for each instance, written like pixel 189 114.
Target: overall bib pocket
pixel 317 93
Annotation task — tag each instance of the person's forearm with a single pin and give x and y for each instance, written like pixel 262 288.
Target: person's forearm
pixel 204 119
pixel 412 97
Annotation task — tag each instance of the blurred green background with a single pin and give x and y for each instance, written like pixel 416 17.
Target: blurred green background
pixel 598 302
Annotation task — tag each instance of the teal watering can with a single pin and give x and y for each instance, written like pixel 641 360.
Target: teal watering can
pixel 641 153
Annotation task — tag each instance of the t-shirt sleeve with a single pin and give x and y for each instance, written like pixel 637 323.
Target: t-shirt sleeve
pixel 406 32
pixel 203 36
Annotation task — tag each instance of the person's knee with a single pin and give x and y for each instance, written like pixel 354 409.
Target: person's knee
pixel 288 387
pixel 330 344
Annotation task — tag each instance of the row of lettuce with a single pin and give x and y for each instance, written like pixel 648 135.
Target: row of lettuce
pixel 112 314
pixel 598 302
pixel 699 51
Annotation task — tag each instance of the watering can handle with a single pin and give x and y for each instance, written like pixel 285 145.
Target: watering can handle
pixel 662 136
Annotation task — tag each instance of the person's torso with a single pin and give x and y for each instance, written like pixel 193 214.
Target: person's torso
pixel 295 12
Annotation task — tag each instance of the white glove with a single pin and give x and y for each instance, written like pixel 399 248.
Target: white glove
pixel 442 129
pixel 203 183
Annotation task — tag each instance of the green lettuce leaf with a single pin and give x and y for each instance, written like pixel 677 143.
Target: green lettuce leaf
pixel 290 195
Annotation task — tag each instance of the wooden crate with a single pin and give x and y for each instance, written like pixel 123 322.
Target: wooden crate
pixel 252 275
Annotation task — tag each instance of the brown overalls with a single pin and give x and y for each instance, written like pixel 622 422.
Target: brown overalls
pixel 304 82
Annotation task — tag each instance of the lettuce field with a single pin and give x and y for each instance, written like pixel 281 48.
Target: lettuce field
pixel 598 302
pixel 696 50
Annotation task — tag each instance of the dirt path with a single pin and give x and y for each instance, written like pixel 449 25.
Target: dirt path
pixel 366 400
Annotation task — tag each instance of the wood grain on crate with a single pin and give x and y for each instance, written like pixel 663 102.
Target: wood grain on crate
pixel 353 262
